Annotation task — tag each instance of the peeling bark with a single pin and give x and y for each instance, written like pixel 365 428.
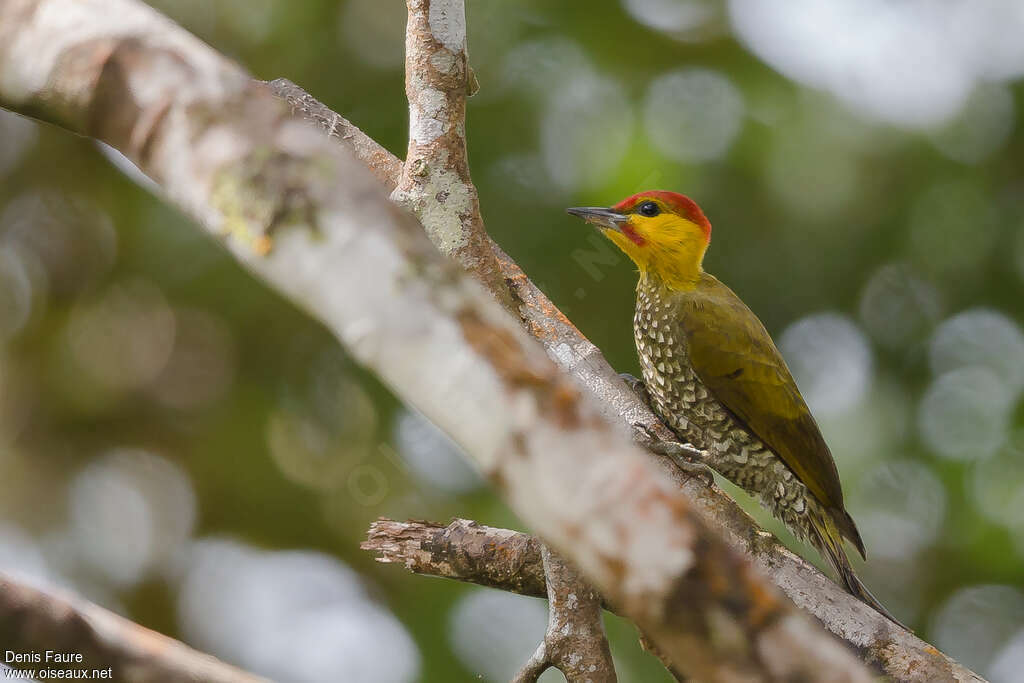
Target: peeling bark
pixel 462 550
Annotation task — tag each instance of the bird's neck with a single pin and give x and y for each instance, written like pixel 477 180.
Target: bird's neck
pixel 675 271
pixel 653 287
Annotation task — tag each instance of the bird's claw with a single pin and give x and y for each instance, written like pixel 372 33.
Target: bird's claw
pixel 696 470
pixel 684 456
pixel 645 436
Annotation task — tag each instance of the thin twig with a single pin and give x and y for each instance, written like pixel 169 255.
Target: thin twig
pixel 382 163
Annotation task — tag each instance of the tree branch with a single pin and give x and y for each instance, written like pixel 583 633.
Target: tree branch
pixel 30 617
pixel 574 642
pixel 465 550
pixel 462 550
pixel 435 184
pixel 510 560
pixel 297 214
pixel 384 165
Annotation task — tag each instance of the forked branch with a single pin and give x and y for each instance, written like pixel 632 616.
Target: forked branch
pixel 574 642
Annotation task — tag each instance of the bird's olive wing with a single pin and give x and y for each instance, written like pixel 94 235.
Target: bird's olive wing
pixel 735 357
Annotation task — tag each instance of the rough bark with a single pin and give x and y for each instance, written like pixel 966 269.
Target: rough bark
pixel 33 619
pixel 462 550
pixel 435 184
pixel 574 642
pixel 467 551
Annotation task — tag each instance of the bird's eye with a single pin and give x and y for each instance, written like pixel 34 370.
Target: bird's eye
pixel 648 209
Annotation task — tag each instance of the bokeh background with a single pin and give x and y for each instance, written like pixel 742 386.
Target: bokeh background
pixel 181 445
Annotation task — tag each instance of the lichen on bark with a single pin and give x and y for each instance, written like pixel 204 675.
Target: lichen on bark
pixel 264 191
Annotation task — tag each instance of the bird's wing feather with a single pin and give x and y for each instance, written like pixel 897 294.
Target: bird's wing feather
pixel 735 357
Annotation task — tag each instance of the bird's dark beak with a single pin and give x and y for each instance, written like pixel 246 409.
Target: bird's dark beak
pixel 601 217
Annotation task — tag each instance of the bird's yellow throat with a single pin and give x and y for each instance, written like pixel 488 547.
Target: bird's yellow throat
pixel 667 246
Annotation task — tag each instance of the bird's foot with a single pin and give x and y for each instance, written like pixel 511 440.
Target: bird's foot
pixel 683 455
pixel 686 457
pixel 696 470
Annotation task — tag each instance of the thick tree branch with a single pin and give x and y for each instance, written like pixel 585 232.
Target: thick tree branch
pixel 31 617
pixel 223 150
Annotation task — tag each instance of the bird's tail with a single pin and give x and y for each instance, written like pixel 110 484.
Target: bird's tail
pixel 830 544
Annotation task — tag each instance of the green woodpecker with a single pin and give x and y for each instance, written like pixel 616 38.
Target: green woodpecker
pixel 713 374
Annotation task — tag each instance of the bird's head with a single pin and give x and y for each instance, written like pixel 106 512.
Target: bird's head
pixel 665 233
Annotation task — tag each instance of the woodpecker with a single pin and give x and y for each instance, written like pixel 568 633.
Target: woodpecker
pixel 713 374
